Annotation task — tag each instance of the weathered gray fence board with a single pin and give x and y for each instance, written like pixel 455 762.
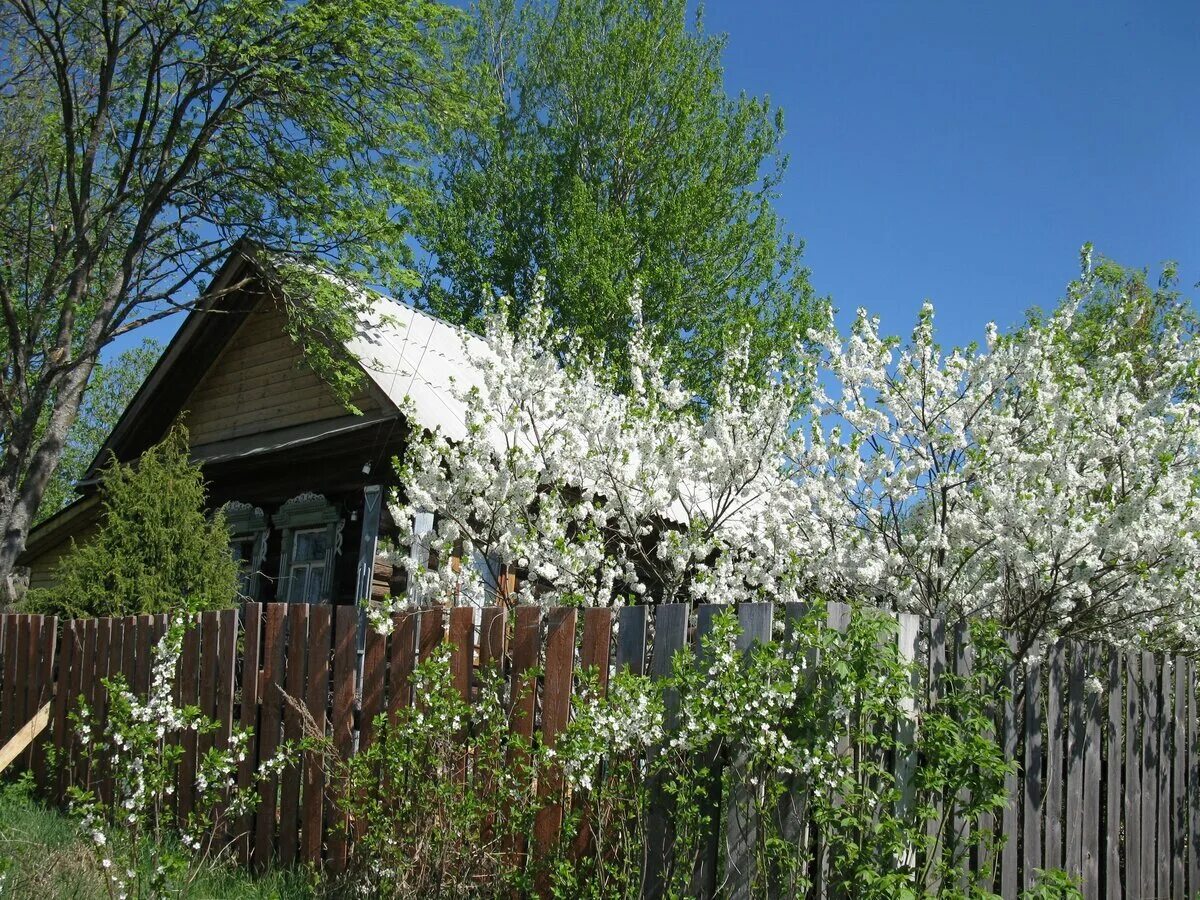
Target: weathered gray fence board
pixel 1114 803
pixel 1091 777
pixel 754 620
pixel 1149 786
pixel 1031 832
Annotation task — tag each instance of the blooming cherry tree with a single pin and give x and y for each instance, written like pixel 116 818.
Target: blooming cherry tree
pixel 1020 480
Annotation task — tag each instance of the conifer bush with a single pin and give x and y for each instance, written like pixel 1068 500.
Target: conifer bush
pixel 157 549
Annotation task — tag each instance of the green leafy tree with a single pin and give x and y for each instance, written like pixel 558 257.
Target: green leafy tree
pixel 156 550
pixel 138 141
pixel 612 162
pixel 112 387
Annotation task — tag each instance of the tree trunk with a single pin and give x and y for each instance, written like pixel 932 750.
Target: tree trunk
pixel 25 490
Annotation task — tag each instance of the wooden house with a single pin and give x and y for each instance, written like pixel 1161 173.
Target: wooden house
pixel 303 480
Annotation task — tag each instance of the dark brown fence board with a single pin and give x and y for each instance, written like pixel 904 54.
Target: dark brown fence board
pixel 210 645
pixel 104 668
pixel 270 694
pixel 374 678
pixel 401 659
pixel 320 632
pixel 186 692
pixel 345 656
pixel 432 630
pixel 526 644
pixel 293 730
pixel 8 699
pixel 597 644
pixel 556 709
pixel 461 635
pixel 248 719
pixel 62 706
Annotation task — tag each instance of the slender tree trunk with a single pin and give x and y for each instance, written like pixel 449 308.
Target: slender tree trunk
pixel 23 492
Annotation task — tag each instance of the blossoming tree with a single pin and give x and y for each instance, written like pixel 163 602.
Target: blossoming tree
pixel 1051 489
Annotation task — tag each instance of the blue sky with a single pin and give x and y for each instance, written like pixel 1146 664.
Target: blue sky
pixel 963 152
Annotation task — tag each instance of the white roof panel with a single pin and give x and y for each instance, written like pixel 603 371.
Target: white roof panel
pixel 415 356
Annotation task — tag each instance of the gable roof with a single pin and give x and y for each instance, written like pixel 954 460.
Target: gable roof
pixel 410 358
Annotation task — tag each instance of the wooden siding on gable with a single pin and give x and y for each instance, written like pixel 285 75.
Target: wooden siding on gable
pixel 260 383
pixel 43 567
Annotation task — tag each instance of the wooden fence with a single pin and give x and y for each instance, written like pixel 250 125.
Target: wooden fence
pixel 1108 785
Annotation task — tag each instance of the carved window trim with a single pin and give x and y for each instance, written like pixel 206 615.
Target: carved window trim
pixel 304 513
pixel 247 522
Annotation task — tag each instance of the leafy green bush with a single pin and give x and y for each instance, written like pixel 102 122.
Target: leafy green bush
pixel 805 730
pixel 156 551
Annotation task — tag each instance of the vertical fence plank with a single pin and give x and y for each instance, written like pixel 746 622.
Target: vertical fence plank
pixel 374 677
pixel 45 689
pixel 226 677
pixel 210 645
pixel 462 642
pixel 1134 725
pixel 1052 857
pixel 1178 823
pixel 293 730
pixel 271 699
pixel 594 655
pixel 1031 824
pixel 433 622
pixel 754 620
pixel 1149 774
pixel 8 697
pixel 1193 777
pixel 670 636
pixel 631 639
pixel 1010 817
pixel 1091 776
pixel 89 689
pixel 1164 781
pixel 401 661
pixel 62 706
pixel 556 707
pixel 937 671
pixel 186 692
pixel 345 658
pixel 316 700
pixel 704 873
pixel 249 721
pixel 1073 861
pixel 522 713
pixel 104 669
pixel 1114 744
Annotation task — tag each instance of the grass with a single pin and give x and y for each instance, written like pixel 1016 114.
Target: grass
pixel 43 856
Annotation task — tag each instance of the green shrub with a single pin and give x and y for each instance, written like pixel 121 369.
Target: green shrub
pixel 156 551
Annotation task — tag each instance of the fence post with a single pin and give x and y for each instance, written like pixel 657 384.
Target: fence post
pixel 670 636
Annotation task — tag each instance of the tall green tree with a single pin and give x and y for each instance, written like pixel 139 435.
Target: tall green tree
pixel 112 386
pixel 612 161
pixel 156 550
pixel 139 140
